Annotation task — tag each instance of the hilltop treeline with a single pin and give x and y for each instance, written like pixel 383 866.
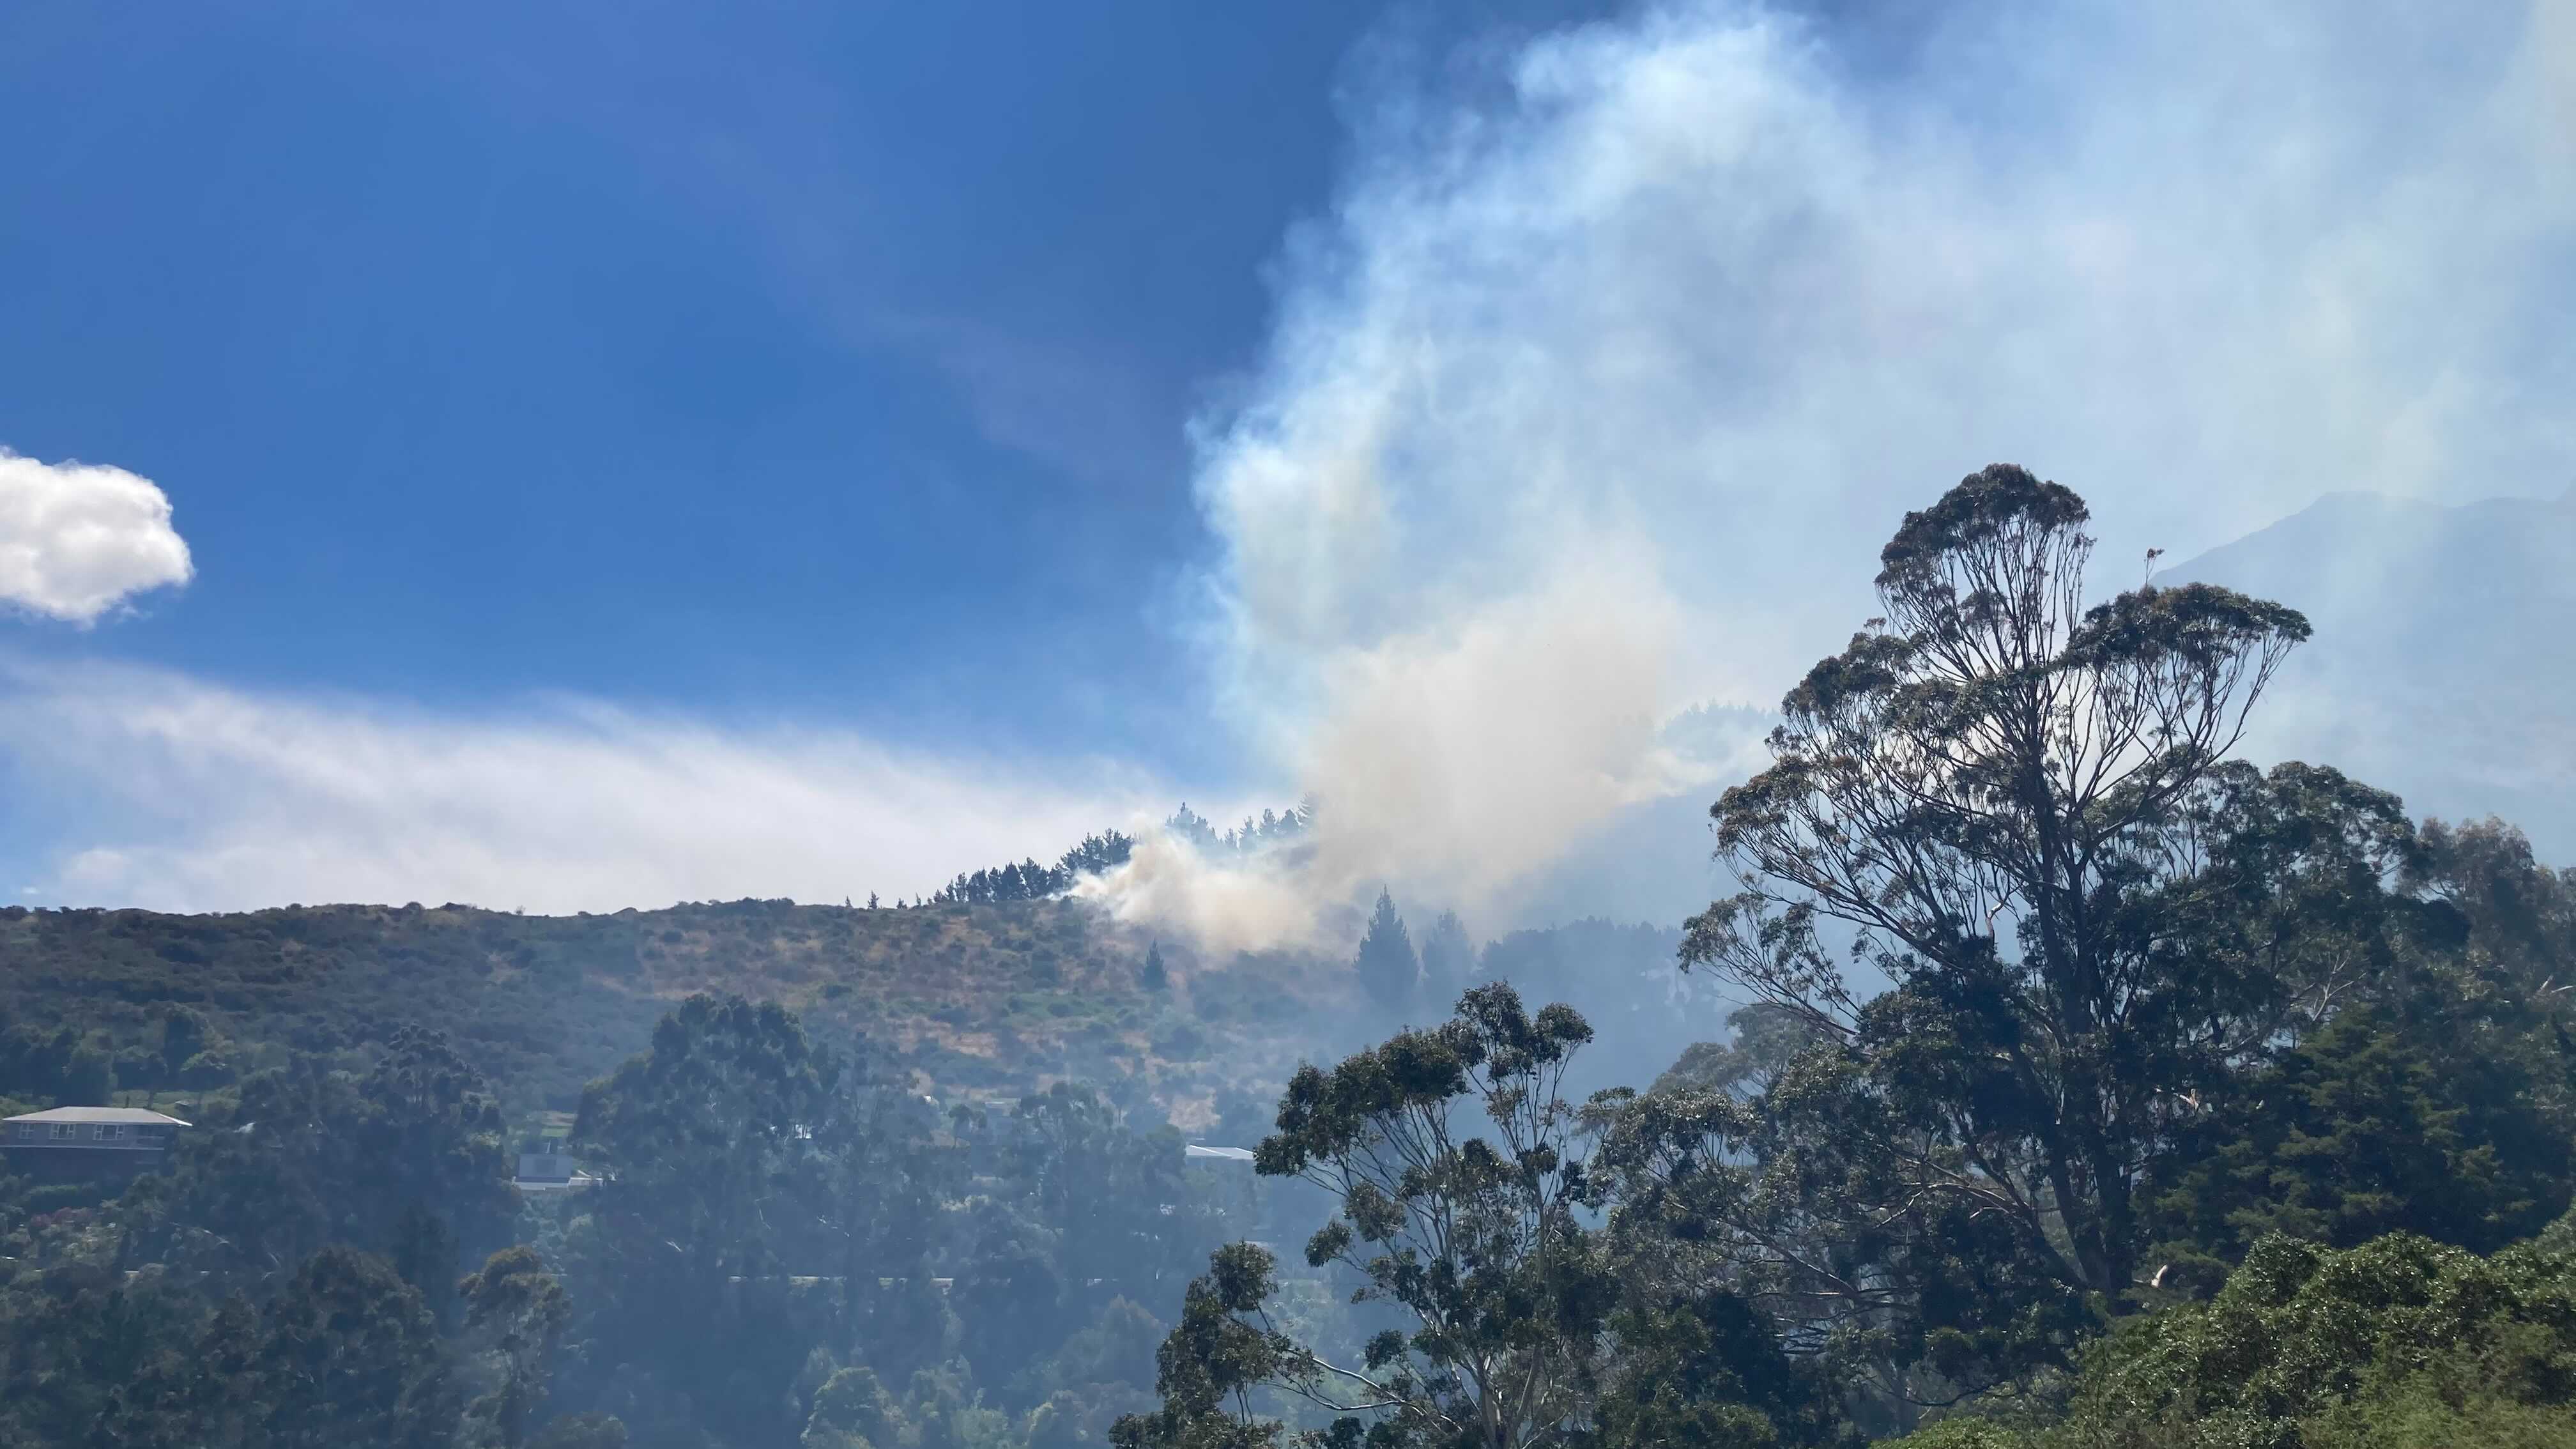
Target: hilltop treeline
pixel 1030 881
pixel 1097 854
pixel 2087 1087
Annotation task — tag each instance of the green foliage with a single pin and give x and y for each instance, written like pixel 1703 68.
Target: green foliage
pixel 1960 1434
pixel 515 1314
pixel 2419 1416
pixel 2309 1346
pixel 1388 970
pixel 61 1068
pixel 1705 1367
pixel 2400 1341
pixel 541 1005
pixel 404 1160
pixel 343 1352
pixel 703 1142
pixel 1118 1202
pixel 350 1355
pixel 1449 960
pixel 1513 1321
pixel 582 1431
pixel 1030 881
pixel 1999 796
pixel 1117 1347
pixel 1011 1300
pixel 1214 1360
pixel 2375 1124
pixel 852 1408
pixel 1768 1041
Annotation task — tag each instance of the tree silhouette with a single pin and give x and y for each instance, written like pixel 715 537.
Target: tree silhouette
pixel 2002 798
pixel 1448 959
pixel 1389 973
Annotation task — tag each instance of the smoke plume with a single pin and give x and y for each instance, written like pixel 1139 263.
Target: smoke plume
pixel 1610 368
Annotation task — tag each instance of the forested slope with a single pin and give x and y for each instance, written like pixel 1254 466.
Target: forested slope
pixel 973 998
pixel 985 1000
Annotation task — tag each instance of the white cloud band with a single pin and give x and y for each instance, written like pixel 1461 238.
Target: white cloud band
pixel 193 797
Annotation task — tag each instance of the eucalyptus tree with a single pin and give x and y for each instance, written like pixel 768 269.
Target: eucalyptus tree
pixel 677 1258
pixel 2003 800
pixel 1473 1233
pixel 515 1315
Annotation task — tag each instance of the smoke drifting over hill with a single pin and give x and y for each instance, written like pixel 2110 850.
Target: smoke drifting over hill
pixel 1596 399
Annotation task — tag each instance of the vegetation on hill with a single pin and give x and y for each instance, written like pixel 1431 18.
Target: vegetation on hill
pixel 982 999
pixel 2396 1343
pixel 972 1000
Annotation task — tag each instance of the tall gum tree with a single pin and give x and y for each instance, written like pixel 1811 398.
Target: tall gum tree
pixel 1988 797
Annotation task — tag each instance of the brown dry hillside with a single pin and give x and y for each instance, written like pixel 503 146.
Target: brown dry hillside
pixel 974 1000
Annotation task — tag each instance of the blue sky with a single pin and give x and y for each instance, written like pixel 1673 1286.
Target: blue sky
pixel 807 449
pixel 823 358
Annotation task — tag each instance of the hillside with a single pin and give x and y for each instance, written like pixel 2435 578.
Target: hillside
pixel 981 1001
pixel 973 999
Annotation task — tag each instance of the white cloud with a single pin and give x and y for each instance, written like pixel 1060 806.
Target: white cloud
pixel 76 538
pixel 1600 398
pixel 194 797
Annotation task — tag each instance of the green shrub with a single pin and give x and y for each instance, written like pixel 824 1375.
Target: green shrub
pixel 2306 1347
pixel 1961 1434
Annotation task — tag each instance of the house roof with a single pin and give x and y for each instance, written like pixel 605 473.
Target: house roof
pixel 1230 1154
pixel 125 1116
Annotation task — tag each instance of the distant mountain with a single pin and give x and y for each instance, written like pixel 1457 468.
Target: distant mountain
pixel 2444 662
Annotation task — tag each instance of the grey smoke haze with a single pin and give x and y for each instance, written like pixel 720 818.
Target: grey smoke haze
pixel 2443 666
pixel 1596 400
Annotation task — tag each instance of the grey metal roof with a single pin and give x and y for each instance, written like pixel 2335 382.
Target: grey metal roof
pixel 125 1116
pixel 1230 1154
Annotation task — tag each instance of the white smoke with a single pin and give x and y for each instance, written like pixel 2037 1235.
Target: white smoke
pixel 1596 400
pixel 1225 905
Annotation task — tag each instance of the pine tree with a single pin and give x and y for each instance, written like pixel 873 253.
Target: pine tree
pixel 1448 958
pixel 1389 973
pixel 1154 977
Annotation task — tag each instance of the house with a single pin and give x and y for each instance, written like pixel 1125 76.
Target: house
pixel 549 1172
pixel 83 1142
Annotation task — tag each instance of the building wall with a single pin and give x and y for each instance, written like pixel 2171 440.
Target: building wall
pixel 80 1164
pixel 86 1136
